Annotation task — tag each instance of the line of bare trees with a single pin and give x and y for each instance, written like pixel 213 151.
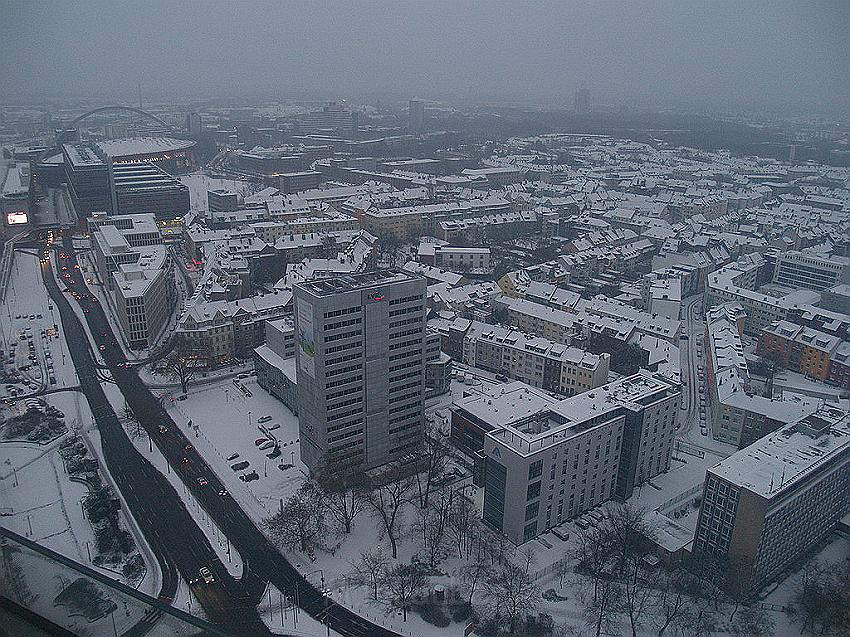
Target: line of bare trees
pixel 627 588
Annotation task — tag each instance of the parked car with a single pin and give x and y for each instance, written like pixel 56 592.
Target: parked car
pixel 268 444
pixel 239 466
pixel 260 441
pixel 232 457
pixel 264 418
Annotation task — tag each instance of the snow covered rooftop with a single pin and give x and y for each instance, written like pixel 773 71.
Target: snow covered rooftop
pixel 780 460
pixel 130 146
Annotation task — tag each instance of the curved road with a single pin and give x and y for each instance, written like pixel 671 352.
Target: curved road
pixel 261 557
pixel 179 544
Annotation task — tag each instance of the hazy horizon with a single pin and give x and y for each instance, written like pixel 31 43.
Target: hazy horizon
pixel 778 56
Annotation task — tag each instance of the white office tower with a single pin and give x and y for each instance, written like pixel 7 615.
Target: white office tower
pixel 360 368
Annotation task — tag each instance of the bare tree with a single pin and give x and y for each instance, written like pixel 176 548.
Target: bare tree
pixel 562 570
pixel 434 463
pixel 300 524
pixel 341 491
pixel 737 583
pixel 671 599
pixel 433 521
pixel 593 556
pixel 626 534
pixel 474 571
pixel 403 583
pixel 387 500
pixel 821 600
pixel 510 592
pixel 753 621
pixel 637 594
pixel 182 364
pixel 369 569
pixel 460 524
pixel 601 608
pixel 699 616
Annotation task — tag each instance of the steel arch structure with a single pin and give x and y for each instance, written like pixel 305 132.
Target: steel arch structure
pixel 116 107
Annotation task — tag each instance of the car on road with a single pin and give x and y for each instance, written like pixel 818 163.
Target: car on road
pixel 102 348
pixel 188 448
pixel 206 575
pixel 202 481
pixel 239 466
pixel 223 492
pixel 232 456
pixel 184 460
pixel 163 429
pixel 264 418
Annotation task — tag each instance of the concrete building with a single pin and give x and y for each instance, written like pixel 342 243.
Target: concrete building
pixel 221 200
pixel 739 282
pixel 736 413
pixel 415 116
pixel 533 359
pixel 456 258
pixel 274 362
pixel 548 461
pixel 225 330
pixel 298 181
pixel 361 367
pixel 87 176
pixel 810 271
pixel 773 501
pixel 802 349
pixel 144 296
pixel 144 188
pixel 137 274
pixel 15 197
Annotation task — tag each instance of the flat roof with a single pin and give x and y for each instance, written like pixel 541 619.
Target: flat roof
pixel 567 418
pixel 775 463
pixel 82 155
pixel 130 146
pixel 355 281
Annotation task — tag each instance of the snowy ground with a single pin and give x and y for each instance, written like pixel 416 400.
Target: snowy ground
pixel 226 424
pixel 199 184
pixel 45 505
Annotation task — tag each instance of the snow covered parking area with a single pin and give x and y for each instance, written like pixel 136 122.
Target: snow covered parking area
pixel 224 422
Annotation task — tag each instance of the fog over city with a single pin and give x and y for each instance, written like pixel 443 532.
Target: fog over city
pixel 777 55
pixel 425 319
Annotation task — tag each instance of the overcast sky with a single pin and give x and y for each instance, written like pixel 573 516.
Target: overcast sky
pixel 721 55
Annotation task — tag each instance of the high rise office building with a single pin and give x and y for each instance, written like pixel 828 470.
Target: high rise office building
pixel 360 368
pixel 416 115
pixel 582 102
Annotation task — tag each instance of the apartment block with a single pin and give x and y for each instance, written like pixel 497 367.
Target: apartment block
pixel 547 461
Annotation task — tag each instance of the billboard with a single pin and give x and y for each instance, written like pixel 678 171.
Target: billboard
pixel 16 218
pixel 306 339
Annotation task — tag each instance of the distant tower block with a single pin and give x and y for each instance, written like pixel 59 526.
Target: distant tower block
pixel 416 115
pixel 582 100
